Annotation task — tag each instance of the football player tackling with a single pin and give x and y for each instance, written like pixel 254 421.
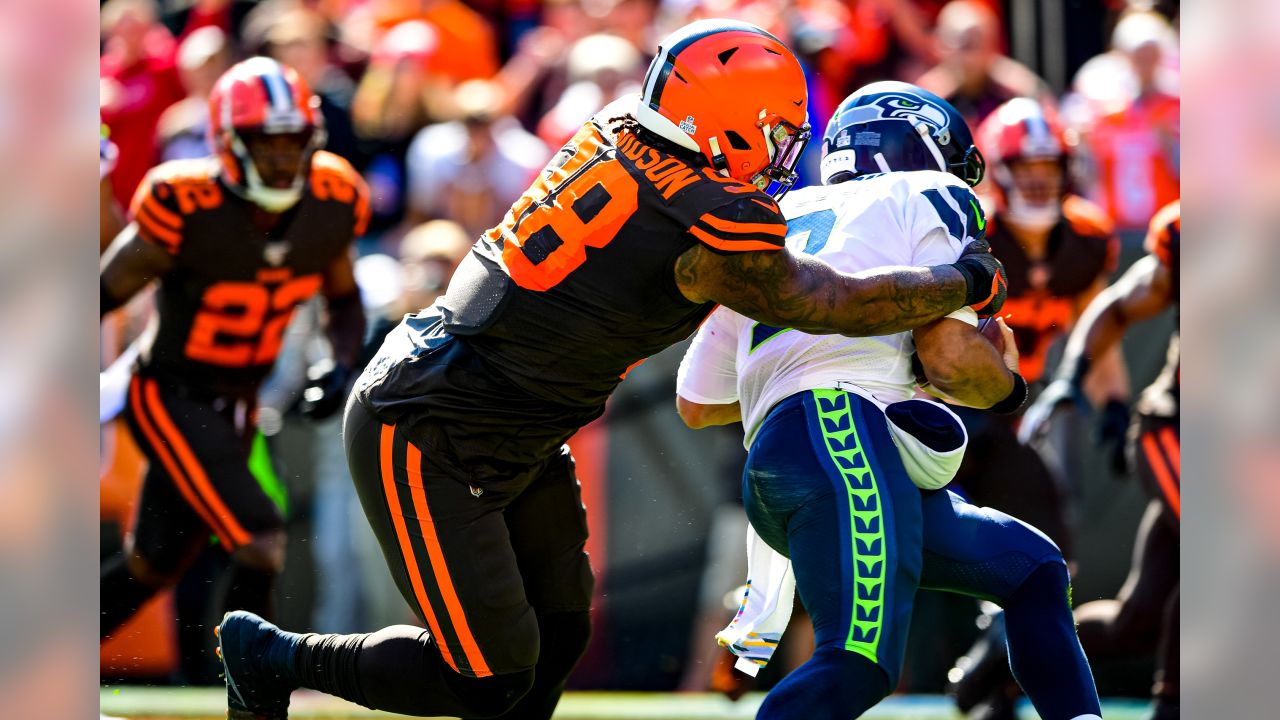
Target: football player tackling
pixel 659 208
pixel 839 450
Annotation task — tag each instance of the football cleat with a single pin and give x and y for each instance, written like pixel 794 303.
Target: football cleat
pixel 254 691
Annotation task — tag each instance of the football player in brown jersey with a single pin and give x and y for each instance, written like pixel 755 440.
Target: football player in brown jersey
pixel 655 211
pixel 233 242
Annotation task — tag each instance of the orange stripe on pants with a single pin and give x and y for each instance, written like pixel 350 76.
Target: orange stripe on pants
pixel 171 466
pixel 195 471
pixel 1169 441
pixel 1161 471
pixel 406 549
pixel 434 553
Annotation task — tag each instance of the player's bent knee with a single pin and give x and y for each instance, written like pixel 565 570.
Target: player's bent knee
pixel 264 552
pixel 491 696
pixel 149 574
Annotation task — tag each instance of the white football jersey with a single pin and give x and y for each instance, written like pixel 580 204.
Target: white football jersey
pixel 904 218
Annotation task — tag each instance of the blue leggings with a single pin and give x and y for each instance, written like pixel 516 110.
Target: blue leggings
pixel 824 485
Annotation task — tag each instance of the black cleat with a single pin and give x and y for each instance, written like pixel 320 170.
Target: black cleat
pixel 254 690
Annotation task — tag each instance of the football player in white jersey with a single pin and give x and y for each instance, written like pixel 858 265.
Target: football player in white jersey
pixel 845 468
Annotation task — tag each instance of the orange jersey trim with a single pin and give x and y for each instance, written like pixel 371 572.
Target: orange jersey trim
pixel 732 245
pixel 1161 470
pixel 406 548
pixel 731 226
pixel 435 554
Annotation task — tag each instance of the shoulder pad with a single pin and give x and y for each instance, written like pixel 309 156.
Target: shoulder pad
pixel 333 179
pixel 1086 218
pixel 168 194
pixel 743 223
pixel 953 200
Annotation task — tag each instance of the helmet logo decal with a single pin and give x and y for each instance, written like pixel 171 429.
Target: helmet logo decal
pixel 688 126
pixel 842 140
pixel 868 138
pixel 901 106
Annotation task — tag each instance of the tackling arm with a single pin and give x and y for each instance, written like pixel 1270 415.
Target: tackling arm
pixel 128 265
pixel 787 290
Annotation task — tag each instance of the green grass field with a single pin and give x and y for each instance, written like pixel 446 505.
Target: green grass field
pixel 208 704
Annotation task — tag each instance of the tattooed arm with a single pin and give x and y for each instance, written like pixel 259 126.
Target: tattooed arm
pixel 798 291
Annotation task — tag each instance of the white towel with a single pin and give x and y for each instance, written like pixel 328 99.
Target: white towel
pixel 755 631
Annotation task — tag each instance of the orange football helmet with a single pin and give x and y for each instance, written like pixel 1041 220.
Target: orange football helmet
pixel 264 125
pixel 734 93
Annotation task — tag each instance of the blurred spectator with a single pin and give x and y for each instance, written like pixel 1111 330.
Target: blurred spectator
pixel 972 74
pixel 137 81
pixel 110 216
pixel 429 255
pixel 472 169
pixel 390 106
pixel 1135 140
pixel 184 128
pixel 467 47
pixel 184 17
pixel 299 38
pixel 601 68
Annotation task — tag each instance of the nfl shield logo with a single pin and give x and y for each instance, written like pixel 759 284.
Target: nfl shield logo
pixel 688 126
pixel 842 140
pixel 275 252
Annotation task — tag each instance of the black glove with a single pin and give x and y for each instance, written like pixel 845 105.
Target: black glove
pixel 326 390
pixel 1112 429
pixel 985 276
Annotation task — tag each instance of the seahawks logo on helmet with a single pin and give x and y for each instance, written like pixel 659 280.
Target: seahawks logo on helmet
pixel 901 106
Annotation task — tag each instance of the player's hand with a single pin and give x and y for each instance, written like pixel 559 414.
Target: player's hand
pixel 999 334
pixel 1113 426
pixel 985 276
pixel 326 390
pixel 1035 420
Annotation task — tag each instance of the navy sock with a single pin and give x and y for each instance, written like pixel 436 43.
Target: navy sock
pixel 834 684
pixel 1044 652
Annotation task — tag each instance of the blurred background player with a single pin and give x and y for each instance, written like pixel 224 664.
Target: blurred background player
pixel 1061 250
pixel 456 428
pixel 1143 619
pixel 235 241
pixel 1144 616
pixel 825 470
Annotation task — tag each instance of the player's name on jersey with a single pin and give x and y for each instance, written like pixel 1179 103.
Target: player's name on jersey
pixel 669 175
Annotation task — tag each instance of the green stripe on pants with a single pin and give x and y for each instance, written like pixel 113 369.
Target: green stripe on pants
pixel 840 433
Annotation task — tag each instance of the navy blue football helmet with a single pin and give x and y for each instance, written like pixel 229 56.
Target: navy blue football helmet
pixel 895 126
